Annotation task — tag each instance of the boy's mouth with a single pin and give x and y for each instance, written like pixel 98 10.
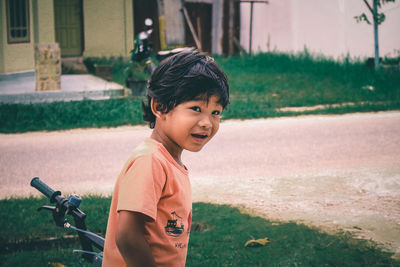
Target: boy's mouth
pixel 201 136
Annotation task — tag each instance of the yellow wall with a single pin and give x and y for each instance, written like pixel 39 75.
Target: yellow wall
pixel 108 28
pixel 20 57
pixel 15 57
pixel 44 21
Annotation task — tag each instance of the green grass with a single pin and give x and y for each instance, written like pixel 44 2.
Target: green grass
pixel 218 235
pixel 260 85
pixel 74 114
pixel 284 80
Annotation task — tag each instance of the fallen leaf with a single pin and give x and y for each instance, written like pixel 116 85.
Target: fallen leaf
pixel 257 242
pixel 56 264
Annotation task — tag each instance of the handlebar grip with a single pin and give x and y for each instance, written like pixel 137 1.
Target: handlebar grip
pixel 44 188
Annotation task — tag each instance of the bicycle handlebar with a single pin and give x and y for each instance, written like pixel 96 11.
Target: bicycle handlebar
pixel 45 189
pixel 64 206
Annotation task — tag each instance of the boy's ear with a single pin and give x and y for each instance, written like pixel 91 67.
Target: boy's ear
pixel 156 108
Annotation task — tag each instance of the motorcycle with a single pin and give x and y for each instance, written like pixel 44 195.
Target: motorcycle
pixel 141 61
pixel 143 48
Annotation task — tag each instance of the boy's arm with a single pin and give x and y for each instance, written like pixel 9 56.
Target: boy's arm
pixel 130 239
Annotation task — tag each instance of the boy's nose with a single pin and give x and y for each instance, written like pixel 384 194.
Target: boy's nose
pixel 205 122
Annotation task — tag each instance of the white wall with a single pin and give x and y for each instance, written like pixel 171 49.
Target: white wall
pixel 327 27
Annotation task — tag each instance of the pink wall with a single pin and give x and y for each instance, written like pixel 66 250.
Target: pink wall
pixel 326 27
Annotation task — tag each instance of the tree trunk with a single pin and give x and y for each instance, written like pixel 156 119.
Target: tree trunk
pixel 376 39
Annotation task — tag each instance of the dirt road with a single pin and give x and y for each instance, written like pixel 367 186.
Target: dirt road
pixel 330 171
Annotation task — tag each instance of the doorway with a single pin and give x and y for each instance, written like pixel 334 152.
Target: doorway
pixel 231 27
pixel 68 27
pixel 200 15
pixel 143 9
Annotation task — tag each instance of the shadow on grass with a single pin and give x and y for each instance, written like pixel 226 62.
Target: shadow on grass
pixel 227 230
pixel 218 235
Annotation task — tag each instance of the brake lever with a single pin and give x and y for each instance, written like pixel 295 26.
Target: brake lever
pixel 58 216
pixel 51 208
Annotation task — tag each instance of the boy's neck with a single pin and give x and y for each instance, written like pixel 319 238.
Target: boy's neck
pixel 174 149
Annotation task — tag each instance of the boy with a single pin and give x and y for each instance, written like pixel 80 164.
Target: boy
pixel 151 209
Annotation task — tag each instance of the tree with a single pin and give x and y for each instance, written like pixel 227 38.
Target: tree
pixel 378 18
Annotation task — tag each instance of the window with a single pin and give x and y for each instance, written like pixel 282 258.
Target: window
pixel 18 21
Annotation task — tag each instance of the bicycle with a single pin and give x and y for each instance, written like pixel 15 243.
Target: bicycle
pixel 70 206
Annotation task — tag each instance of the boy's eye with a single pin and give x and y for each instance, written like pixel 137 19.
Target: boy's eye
pixel 216 112
pixel 197 109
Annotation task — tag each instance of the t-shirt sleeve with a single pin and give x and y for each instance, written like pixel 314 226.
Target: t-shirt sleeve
pixel 141 187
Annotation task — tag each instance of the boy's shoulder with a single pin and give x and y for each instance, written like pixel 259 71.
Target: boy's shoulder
pixel 148 150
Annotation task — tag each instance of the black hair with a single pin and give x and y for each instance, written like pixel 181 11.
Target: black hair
pixel 184 77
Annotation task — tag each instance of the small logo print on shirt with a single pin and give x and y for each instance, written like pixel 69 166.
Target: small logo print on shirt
pixel 175 226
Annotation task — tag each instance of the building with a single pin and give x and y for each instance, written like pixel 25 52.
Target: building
pixel 81 27
pixel 216 24
pixel 97 28
pixel 323 27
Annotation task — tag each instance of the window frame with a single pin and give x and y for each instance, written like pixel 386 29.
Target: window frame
pixel 27 26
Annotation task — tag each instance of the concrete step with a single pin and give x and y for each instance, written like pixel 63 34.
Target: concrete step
pixel 20 88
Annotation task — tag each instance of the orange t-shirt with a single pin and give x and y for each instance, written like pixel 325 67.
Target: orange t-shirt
pixel 154 184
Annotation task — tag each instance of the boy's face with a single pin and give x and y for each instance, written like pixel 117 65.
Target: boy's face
pixel 190 125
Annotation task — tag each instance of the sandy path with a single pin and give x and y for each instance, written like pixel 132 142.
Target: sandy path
pixel 330 171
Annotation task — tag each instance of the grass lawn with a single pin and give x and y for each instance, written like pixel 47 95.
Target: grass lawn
pixel 218 235
pixel 259 87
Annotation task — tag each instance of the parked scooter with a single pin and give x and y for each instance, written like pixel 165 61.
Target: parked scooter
pixel 143 48
pixel 142 64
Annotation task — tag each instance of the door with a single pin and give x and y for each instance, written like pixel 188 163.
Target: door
pixel 68 27
pixel 200 15
pixel 231 27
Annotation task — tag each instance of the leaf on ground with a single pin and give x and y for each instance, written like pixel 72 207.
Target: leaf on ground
pixel 256 242
pixel 56 264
